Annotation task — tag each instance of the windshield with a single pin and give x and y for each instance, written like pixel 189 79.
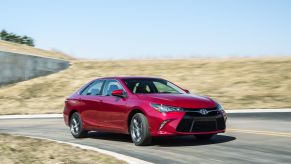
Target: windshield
pixel 148 86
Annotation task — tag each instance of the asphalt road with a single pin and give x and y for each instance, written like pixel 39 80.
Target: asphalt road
pixel 250 138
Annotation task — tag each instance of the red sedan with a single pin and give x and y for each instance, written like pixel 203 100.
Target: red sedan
pixel 143 107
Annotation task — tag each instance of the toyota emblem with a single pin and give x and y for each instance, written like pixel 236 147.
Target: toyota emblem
pixel 203 111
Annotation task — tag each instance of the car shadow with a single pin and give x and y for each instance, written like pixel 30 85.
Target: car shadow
pixel 191 141
pixel 163 141
pixel 109 136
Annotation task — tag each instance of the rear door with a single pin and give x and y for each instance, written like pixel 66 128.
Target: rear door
pixel 91 97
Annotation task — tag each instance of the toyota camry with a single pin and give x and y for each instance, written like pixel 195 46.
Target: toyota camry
pixel 143 107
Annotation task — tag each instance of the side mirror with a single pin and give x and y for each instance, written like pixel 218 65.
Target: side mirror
pixel 118 93
pixel 187 91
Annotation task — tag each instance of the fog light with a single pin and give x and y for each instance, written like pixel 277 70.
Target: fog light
pixel 163 124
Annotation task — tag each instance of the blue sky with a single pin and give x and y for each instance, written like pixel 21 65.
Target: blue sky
pixel 113 29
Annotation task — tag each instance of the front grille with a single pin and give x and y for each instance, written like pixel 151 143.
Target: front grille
pixel 192 122
pixel 196 113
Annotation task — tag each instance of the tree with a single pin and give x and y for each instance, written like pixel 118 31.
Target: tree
pixel 3 35
pixel 11 37
pixel 27 40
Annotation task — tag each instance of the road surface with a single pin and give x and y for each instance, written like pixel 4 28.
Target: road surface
pixel 250 138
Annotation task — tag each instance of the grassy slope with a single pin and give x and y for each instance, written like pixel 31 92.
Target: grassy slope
pixel 23 49
pixel 236 83
pixel 14 149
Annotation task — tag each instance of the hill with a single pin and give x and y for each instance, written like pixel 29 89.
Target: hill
pixel 236 83
pixel 24 49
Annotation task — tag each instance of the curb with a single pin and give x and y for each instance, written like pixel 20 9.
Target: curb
pixel 24 116
pixel 128 159
pixel 45 116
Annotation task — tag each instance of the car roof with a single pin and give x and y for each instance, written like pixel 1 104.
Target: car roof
pixel 129 77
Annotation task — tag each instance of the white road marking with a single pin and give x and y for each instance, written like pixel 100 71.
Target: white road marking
pixel 260 132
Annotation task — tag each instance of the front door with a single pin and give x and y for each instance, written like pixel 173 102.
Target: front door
pixel 113 112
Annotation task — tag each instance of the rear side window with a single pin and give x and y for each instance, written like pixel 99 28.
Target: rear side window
pixel 93 89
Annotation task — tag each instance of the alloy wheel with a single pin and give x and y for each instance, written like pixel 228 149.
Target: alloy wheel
pixel 136 131
pixel 75 125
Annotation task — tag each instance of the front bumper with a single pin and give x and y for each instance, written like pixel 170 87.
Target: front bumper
pixel 188 123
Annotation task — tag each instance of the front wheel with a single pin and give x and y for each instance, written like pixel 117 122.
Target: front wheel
pixel 76 126
pixel 139 130
pixel 204 136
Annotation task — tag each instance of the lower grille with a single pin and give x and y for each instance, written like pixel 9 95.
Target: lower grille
pixel 201 124
pixel 184 125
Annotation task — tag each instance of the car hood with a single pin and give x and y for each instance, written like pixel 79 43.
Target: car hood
pixel 180 100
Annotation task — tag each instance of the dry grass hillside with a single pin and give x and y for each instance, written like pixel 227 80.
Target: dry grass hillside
pixel 236 83
pixel 24 49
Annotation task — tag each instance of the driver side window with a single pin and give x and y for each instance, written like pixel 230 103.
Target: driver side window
pixel 110 86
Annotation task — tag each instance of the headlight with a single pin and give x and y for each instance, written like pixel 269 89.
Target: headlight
pixel 219 107
pixel 165 108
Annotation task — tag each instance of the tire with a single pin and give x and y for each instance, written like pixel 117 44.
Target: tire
pixel 139 130
pixel 76 126
pixel 204 136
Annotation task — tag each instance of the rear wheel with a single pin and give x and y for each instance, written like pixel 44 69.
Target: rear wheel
pixel 76 126
pixel 139 130
pixel 204 136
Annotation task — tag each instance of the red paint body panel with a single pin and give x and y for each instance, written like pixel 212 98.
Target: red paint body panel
pixel 111 113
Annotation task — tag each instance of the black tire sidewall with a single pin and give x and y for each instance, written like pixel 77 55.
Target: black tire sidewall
pixel 81 130
pixel 145 138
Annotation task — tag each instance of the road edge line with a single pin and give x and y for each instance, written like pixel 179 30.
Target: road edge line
pixel 278 110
